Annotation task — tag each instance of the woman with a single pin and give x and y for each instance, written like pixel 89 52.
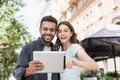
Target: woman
pixel 76 57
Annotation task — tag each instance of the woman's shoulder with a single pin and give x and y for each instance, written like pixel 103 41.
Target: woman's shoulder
pixel 75 46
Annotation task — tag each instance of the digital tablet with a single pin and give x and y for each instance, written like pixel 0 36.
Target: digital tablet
pixel 54 61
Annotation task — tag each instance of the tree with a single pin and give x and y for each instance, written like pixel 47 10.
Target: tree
pixel 13 35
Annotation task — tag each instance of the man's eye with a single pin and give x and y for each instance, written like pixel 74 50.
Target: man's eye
pixel 52 30
pixel 45 29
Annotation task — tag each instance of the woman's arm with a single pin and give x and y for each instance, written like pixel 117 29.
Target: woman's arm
pixel 85 61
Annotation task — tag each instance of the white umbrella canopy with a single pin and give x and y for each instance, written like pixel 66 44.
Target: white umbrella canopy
pixel 109 31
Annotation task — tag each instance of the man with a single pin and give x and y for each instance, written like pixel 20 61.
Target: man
pixel 25 67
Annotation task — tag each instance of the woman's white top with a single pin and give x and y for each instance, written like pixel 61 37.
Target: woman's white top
pixel 74 73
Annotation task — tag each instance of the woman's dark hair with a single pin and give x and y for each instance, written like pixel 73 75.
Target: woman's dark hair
pixel 49 19
pixel 73 38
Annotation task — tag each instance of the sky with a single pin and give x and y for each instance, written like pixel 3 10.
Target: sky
pixel 31 15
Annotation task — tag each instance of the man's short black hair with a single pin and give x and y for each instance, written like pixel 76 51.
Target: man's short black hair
pixel 49 19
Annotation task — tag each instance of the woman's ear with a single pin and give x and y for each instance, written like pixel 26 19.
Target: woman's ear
pixel 71 34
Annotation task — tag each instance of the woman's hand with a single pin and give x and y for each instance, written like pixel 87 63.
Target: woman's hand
pixel 71 62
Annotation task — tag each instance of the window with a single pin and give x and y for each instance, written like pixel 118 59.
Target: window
pixel 115 2
pixel 116 20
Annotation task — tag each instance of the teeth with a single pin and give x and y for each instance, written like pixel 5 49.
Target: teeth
pixel 62 38
pixel 48 37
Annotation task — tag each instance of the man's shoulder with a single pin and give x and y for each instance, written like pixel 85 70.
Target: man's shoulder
pixel 31 43
pixel 34 42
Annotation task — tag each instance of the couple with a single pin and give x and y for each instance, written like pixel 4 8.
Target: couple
pixel 76 57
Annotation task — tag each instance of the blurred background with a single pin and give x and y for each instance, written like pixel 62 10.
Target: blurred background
pixel 19 24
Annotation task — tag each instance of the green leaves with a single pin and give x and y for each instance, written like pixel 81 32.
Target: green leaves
pixel 13 36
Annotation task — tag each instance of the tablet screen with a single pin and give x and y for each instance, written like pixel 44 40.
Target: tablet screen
pixel 54 61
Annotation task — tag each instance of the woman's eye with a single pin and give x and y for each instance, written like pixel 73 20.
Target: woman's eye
pixel 66 30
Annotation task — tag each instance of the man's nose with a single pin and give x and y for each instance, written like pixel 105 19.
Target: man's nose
pixel 48 31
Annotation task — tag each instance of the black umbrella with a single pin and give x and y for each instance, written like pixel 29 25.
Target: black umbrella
pixel 103 44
